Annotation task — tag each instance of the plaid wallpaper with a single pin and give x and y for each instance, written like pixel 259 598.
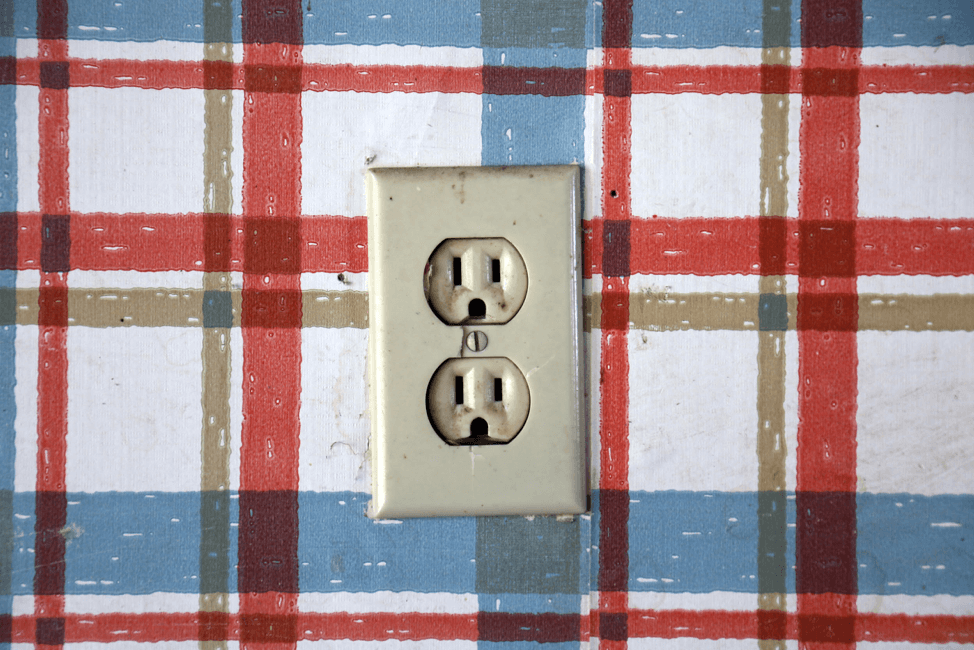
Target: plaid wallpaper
pixel 779 242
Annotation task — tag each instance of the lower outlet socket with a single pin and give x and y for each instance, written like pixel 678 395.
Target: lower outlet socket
pixel 478 401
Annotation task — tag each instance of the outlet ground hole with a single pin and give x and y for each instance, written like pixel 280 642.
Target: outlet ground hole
pixel 478 428
pixel 477 308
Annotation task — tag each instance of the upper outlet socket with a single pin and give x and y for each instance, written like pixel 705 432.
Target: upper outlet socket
pixel 475 281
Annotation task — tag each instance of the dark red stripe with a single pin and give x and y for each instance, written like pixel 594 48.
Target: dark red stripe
pixel 547 82
pixel 52 19
pixel 272 79
pixel 668 80
pixel 55 243
pixel 6 628
pixel 8 241
pixel 538 628
pixel 217 239
pixel 8 70
pixel 55 75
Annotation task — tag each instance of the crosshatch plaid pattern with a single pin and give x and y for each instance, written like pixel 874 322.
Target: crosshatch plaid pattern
pixel 779 307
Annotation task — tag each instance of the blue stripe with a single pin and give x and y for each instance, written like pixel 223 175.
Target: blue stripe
pixel 678 24
pixel 352 22
pixel 681 24
pixel 375 22
pixel 8 333
pixel 907 22
pixel 25 18
pixel 915 545
pixel 339 543
pixel 697 542
pixel 708 543
pixel 138 543
pixel 530 603
pixel 909 544
pixel 110 20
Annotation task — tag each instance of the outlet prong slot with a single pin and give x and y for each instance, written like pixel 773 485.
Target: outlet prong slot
pixel 457 271
pixel 477 308
pixel 498 389
pixel 458 390
pixel 495 271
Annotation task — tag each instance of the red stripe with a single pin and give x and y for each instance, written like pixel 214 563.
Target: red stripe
pixel 177 242
pixel 52 384
pixel 690 246
pixel 613 579
pixel 318 77
pixel 392 78
pixel 934 79
pixel 175 627
pixel 826 572
pixel 412 626
pixel 730 246
pixel 267 573
pixel 722 624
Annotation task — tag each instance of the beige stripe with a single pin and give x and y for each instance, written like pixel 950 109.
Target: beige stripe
pixel 771 449
pixel 737 312
pixel 184 308
pixel 215 440
pixel 335 309
pixel 940 313
pixel 949 312
pixel 693 311
pixel 591 312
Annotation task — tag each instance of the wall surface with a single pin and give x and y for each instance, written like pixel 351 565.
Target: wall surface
pixel 779 262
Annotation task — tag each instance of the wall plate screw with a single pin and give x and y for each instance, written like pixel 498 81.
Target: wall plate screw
pixel 476 341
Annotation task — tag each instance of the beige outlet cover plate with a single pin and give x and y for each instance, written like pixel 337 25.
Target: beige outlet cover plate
pixel 414 472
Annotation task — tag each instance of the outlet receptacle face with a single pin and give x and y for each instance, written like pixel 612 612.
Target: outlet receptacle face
pixel 474 341
pixel 478 401
pixel 476 281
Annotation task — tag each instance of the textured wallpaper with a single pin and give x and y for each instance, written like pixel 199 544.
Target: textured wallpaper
pixel 779 321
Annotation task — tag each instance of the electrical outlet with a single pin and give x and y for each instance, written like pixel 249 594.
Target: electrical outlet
pixel 474 341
